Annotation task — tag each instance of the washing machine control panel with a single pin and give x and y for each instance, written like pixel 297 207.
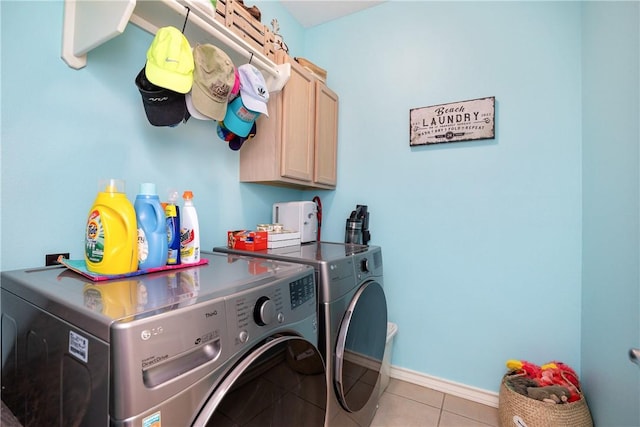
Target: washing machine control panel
pixel 368 264
pixel 255 313
pixel 264 311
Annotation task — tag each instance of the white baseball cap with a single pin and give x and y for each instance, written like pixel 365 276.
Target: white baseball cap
pixel 253 89
pixel 193 111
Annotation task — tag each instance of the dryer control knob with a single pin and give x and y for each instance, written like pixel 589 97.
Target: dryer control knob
pixel 264 311
pixel 364 265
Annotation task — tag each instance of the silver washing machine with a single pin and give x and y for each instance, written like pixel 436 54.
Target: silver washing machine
pixel 352 310
pixel 233 342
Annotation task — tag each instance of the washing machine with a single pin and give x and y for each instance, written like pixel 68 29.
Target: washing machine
pixel 352 311
pixel 232 342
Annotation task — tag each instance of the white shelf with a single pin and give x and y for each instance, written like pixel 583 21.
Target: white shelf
pixel 90 23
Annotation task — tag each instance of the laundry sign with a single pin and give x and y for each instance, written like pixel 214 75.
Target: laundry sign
pixel 454 122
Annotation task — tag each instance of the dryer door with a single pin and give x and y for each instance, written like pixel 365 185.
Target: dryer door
pixel 281 382
pixel 360 347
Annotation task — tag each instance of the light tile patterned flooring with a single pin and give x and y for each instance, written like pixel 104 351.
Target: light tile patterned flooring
pixel 405 405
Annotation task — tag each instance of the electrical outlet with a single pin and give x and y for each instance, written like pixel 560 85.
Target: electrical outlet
pixel 52 259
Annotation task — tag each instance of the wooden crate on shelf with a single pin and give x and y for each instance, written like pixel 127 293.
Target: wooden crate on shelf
pixel 235 17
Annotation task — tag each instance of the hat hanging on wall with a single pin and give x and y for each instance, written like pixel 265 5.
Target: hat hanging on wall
pixel 162 106
pixel 170 61
pixel 193 111
pixel 235 141
pixel 253 89
pixel 213 80
pixel 235 90
pixel 239 119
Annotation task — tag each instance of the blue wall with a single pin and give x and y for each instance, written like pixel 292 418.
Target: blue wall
pixel 64 129
pixel 482 240
pixel 611 210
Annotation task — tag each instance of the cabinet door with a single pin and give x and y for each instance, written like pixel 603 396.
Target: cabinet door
pixel 326 135
pixel 298 101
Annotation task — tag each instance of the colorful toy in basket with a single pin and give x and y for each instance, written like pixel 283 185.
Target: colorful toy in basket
pixel 558 373
pixel 553 382
pixel 531 370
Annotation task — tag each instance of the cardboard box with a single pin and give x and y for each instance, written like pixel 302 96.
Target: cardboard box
pixel 247 240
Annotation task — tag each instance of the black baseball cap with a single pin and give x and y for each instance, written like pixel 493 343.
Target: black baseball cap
pixel 163 107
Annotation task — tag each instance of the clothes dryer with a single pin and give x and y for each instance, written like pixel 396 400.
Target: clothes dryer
pixel 230 342
pixel 352 311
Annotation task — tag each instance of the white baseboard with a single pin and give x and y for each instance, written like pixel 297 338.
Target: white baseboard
pixel 473 394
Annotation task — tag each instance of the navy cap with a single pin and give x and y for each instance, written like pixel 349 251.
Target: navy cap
pixel 235 141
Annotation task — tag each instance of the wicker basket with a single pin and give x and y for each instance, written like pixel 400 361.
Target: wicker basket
pixel 516 410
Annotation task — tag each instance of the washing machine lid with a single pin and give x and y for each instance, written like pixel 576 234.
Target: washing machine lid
pixel 95 306
pixel 330 251
pixel 312 253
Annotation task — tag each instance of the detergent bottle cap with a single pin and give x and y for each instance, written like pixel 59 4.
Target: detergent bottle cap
pixel 173 196
pixel 187 195
pixel 148 189
pixel 111 185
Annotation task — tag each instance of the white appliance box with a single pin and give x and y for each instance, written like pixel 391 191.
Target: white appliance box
pixel 298 216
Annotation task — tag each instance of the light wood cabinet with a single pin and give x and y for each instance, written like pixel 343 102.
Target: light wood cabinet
pixel 297 144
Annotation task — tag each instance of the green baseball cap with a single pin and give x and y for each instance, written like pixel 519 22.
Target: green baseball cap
pixel 170 61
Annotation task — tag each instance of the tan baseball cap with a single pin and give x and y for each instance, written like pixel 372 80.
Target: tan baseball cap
pixel 213 79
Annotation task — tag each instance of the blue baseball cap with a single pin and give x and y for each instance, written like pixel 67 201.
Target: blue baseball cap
pixel 239 119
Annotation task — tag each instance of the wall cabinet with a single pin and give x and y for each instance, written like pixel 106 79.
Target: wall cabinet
pixel 296 146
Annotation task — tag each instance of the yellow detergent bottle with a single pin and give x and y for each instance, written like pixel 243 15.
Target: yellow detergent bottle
pixel 111 238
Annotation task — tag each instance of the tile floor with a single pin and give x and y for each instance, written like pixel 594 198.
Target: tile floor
pixel 405 405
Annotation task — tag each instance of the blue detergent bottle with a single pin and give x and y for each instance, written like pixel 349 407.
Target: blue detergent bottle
pixel 152 228
pixel 172 211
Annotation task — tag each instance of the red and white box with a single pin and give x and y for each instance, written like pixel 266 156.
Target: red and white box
pixel 247 240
